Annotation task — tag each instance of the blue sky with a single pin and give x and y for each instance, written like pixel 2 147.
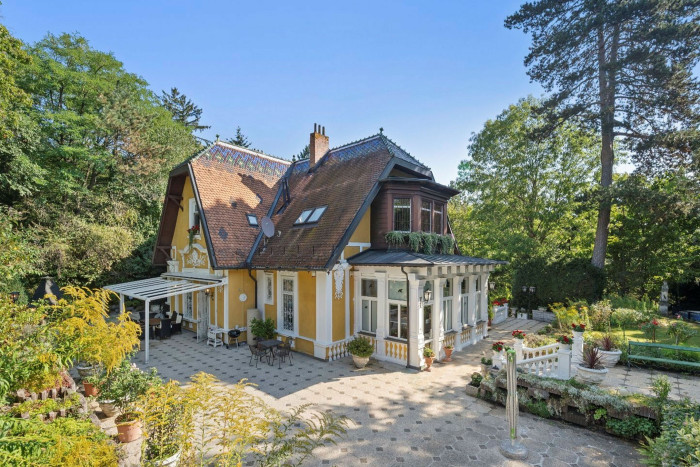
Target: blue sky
pixel 429 73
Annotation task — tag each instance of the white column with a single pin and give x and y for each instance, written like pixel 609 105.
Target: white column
pixel 347 303
pixel 382 313
pixel 324 313
pixel 577 348
pixel 471 297
pixel 438 318
pixel 216 307
pixel 357 303
pixel 564 363
pixel 260 277
pixel 415 322
pixel 456 310
pixel 121 303
pixel 147 325
pixel 485 301
pixel 518 347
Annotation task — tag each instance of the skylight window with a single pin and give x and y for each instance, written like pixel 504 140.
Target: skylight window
pixel 310 216
pixel 252 220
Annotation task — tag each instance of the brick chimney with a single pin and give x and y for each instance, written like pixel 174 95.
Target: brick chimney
pixel 318 145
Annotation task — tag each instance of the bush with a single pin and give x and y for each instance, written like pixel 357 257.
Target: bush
pixel 679 440
pixel 644 306
pixel 264 329
pixel 476 379
pixel 599 315
pixel 539 408
pixel 631 427
pixel 681 332
pixel 360 347
pixel 570 315
pixel 535 340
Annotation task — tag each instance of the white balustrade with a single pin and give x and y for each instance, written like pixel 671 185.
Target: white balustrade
pixel 553 361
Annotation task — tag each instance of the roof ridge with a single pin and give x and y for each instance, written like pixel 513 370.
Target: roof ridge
pixel 353 143
pixel 385 138
pixel 254 152
pixel 194 156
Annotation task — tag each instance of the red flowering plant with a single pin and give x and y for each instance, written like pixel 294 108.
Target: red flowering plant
pixel 578 327
pixel 566 340
pixel 498 346
pixel 518 334
pixel 649 328
pixel 191 232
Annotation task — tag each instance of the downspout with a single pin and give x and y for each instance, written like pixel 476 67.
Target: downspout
pixel 250 273
pixel 408 322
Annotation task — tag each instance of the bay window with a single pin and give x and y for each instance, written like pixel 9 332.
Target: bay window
pixel 402 214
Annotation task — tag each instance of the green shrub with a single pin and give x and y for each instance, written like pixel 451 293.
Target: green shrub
pixel 644 305
pixel 631 427
pixel 264 329
pixel 539 408
pixel 476 379
pixel 599 315
pixel 361 347
pixel 681 332
pixel 679 440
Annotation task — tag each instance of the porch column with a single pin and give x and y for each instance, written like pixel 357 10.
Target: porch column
pixel 346 285
pixel 456 324
pixel 357 304
pixel 485 300
pixel 471 299
pixel 147 326
pixel 324 313
pixel 121 303
pixel 415 322
pixel 382 313
pixel 438 318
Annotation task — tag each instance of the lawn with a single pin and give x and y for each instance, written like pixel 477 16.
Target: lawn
pixel 636 334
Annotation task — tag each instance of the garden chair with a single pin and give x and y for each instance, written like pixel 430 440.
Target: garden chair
pixel 176 323
pixel 165 329
pixel 257 353
pixel 284 351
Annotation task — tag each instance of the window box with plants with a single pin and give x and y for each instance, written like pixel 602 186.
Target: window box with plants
pixel 361 349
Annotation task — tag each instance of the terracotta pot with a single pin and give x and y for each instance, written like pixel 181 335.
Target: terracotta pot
pixel 448 354
pixel 590 375
pixel 360 362
pixel 90 389
pixel 428 362
pixel 609 358
pixel 129 431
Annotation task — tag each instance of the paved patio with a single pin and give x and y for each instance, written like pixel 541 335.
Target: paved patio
pixel 398 416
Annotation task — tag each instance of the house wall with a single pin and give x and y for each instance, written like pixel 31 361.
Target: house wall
pixel 307 312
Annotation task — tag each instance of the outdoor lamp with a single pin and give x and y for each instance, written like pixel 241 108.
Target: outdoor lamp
pixel 14 296
pixel 492 285
pixel 524 288
pixel 532 289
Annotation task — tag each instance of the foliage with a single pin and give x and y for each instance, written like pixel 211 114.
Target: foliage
pixel 414 241
pixel 476 379
pixel 606 343
pixel 578 327
pixel 594 56
pixel 205 414
pixel 360 347
pixel 428 352
pixel 498 346
pixel 568 316
pixel 421 242
pixel 264 329
pixel 537 340
pixel 518 334
pixel 446 244
pixel 43 407
pixel 16 254
pixel 63 442
pixel 303 154
pixel 679 438
pixel 630 302
pixel 680 332
pixel 395 239
pixel 126 383
pixel 624 318
pixel 591 358
pixel 599 315
pixel 631 427
pixel 566 340
pixel 240 139
pixel 649 329
pixel 539 408
pixel 183 109
pixel 661 387
pixel 486 361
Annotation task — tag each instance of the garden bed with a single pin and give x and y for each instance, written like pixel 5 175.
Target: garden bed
pixel 631 417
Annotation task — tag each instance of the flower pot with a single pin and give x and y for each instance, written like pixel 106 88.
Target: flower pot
pixel 90 389
pixel 565 347
pixel 129 431
pixel 448 354
pixel 428 362
pixel 591 375
pixel 472 390
pixel 85 370
pixel 171 460
pixel 578 334
pixel 360 362
pixel 609 358
pixel 108 408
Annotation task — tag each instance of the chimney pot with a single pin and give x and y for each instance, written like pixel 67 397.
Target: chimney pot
pixel 318 145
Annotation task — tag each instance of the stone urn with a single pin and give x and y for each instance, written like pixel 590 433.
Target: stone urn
pixel 609 358
pixel 360 362
pixel 108 408
pixel 590 375
pixel 448 354
pixel 85 370
pixel 428 362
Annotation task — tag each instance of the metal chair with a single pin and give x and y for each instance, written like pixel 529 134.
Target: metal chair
pixel 256 352
pixel 284 351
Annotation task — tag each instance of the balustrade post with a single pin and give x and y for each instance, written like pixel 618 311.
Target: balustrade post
pixel 518 346
pixel 564 363
pixel 577 348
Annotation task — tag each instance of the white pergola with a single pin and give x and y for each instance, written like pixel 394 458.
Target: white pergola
pixel 161 287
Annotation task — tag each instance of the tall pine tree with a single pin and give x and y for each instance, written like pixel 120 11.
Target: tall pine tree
pixel 240 139
pixel 183 109
pixel 625 67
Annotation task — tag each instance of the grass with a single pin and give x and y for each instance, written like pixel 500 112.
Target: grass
pixel 662 337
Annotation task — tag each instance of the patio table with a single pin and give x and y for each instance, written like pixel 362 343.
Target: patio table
pixel 269 345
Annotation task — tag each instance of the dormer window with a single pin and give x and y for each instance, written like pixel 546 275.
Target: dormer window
pixel 310 216
pixel 252 220
pixel 402 214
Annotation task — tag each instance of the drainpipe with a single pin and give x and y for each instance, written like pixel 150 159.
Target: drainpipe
pixel 408 321
pixel 250 273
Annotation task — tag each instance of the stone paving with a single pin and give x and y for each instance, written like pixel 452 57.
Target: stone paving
pixel 399 417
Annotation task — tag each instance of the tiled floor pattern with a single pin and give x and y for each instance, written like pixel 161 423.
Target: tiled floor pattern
pixel 398 416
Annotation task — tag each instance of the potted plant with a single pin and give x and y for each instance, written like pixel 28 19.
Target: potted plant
pixel 449 348
pixel 565 342
pixel 263 329
pixel 498 348
pixel 473 386
pixel 578 328
pixel 124 387
pixel 361 349
pixel 591 370
pixel 90 385
pixel 86 369
pixel 609 355
pixel 428 356
pixel 518 334
pixel 192 232
pixel 486 364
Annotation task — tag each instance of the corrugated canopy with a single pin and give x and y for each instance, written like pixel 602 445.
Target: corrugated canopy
pixel 158 287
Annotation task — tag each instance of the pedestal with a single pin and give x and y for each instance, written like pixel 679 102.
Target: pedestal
pixel 512 449
pixel 577 349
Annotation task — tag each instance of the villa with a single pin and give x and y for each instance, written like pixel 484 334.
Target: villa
pixel 244 234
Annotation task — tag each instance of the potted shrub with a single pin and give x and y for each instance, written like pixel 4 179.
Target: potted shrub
pixel 473 386
pixel 498 349
pixel 90 385
pixel 263 329
pixel 591 370
pixel 428 356
pixel 124 387
pixel 361 349
pixel 486 364
pixel 449 348
pixel 565 342
pixel 609 355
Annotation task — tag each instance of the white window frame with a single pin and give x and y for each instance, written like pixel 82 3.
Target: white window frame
pixel 188 307
pixel 191 211
pixel 376 308
pixel 281 276
pixel 269 289
pixel 464 302
pixel 393 213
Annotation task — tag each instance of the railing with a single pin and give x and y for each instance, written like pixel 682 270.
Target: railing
pixel 529 353
pixel 395 351
pixel 551 360
pixel 449 339
pixel 546 365
pixel 466 336
pixel 338 349
pixel 480 329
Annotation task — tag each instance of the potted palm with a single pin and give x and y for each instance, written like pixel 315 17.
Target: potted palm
pixel 591 369
pixel 428 356
pixel 609 355
pixel 361 349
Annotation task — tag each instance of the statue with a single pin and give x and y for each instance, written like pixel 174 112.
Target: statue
pixel 512 448
pixel 663 300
